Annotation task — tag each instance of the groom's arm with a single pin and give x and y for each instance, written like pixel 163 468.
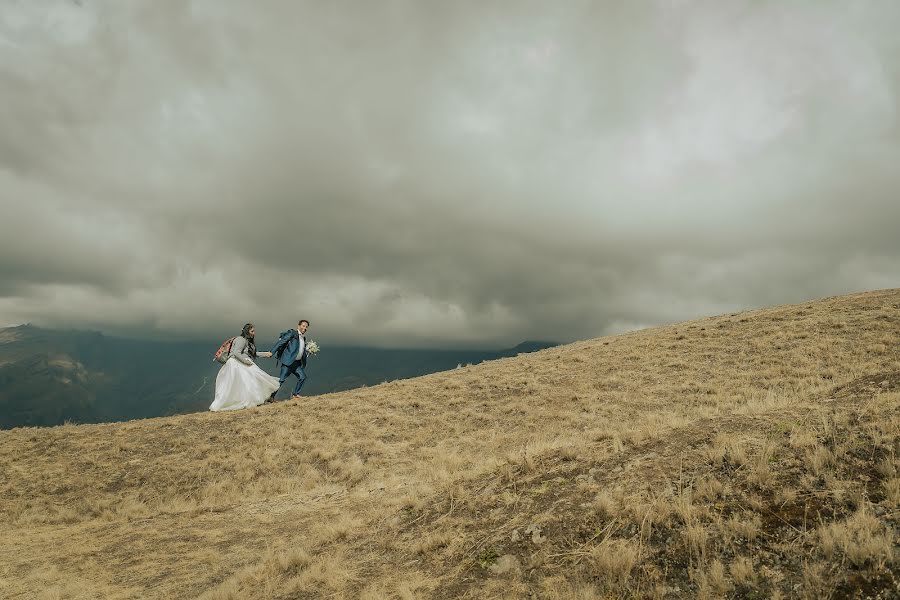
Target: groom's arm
pixel 282 341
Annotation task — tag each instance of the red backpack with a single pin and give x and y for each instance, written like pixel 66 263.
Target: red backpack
pixel 224 351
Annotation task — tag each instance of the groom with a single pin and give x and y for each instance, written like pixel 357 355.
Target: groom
pixel 290 351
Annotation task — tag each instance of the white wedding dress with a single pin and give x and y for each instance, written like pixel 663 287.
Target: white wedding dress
pixel 242 386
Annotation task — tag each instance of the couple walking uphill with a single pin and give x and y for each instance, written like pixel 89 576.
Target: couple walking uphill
pixel 242 384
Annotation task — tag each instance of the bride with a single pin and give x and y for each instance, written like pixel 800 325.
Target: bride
pixel 240 383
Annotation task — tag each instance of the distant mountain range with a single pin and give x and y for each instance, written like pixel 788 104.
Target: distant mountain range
pixel 49 377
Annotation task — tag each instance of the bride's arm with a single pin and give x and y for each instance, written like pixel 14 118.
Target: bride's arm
pixel 238 346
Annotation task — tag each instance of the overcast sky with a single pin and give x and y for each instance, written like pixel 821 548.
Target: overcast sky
pixel 442 174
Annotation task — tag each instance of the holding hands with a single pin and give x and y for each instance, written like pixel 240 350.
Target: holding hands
pixel 264 354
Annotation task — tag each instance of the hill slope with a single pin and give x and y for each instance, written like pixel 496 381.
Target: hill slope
pixel 749 455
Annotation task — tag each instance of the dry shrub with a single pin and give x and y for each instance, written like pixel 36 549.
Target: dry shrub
pixel 539 446
pixel 726 447
pixel 684 508
pixel 712 582
pixel 338 529
pixel 740 527
pixel 696 538
pixel 329 571
pixel 274 569
pixel 613 561
pixel 412 587
pixel 637 435
pixel 561 588
pixel 815 583
pixel 431 542
pixel 229 590
pixel 569 452
pixel 785 495
pixel 290 561
pixel 887 468
pixel 715 452
pixel 131 507
pixel 606 504
pixel 373 591
pixel 324 452
pixel 412 501
pixel 860 539
pixel 892 492
pixel 709 489
pixel 742 571
pixel 506 472
pixel 803 438
pixel 715 575
pixel 71 589
pixel 819 459
pixel 761 473
pixel 761 403
pixel 352 470
pixel 645 514
pixel 48 515
pixel 618 446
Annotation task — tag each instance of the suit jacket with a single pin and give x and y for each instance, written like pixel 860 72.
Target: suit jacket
pixel 288 344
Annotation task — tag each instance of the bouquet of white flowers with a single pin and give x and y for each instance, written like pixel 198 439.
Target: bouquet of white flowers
pixel 312 348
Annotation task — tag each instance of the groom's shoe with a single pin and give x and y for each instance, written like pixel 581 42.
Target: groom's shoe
pixel 295 397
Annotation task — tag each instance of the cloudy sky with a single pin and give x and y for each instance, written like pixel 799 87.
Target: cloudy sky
pixel 442 174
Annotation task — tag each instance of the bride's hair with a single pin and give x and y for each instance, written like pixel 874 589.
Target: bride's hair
pixel 251 342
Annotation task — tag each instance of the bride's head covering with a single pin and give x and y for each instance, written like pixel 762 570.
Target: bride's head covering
pixel 251 340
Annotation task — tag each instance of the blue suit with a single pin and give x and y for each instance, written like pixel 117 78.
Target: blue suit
pixel 286 349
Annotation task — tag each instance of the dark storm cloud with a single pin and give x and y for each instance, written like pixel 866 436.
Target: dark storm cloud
pixel 410 173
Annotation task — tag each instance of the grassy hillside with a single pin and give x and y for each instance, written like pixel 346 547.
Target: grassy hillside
pixel 752 455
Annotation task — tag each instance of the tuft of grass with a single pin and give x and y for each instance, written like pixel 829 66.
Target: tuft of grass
pixel 819 459
pixel 606 504
pixel 432 542
pixel 612 561
pixel 291 561
pixel 709 489
pixel 741 528
pixel 815 582
pixel 337 529
pixel 696 538
pixel 712 581
pixel 859 539
pixel 743 572
pixel 785 495
pixel 892 492
pixel 761 473
pixel 487 556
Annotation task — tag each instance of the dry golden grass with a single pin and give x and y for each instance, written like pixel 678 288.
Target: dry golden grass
pixel 747 455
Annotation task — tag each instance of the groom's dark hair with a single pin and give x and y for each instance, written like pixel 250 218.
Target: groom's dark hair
pixel 302 321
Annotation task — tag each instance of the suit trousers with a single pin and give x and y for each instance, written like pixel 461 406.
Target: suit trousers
pixel 296 369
